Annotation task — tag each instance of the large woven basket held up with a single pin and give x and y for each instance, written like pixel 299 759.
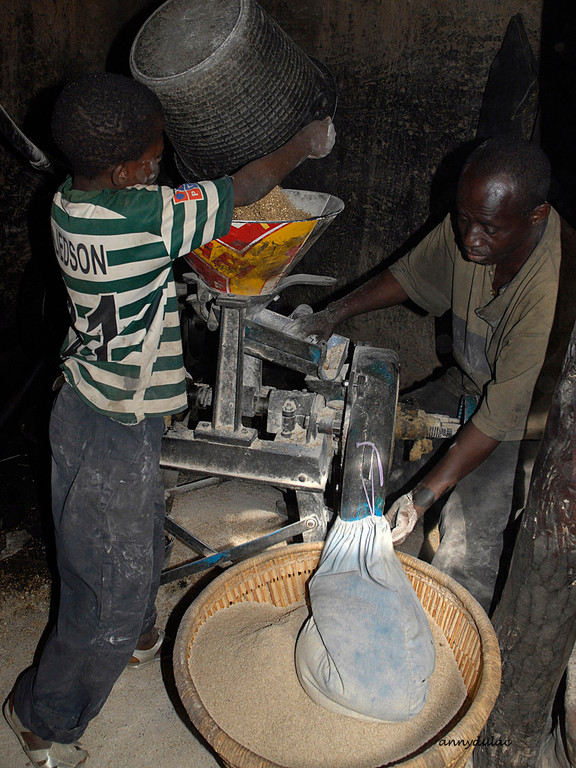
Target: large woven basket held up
pixel 280 576
pixel 233 85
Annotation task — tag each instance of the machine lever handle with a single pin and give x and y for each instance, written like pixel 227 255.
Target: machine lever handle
pixel 304 280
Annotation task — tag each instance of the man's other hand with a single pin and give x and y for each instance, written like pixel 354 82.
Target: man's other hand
pixel 402 517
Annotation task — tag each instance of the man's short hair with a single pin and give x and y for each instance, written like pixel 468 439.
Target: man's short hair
pixel 522 161
pixel 103 119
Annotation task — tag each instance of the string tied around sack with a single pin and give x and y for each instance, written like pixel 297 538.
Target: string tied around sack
pixel 371 498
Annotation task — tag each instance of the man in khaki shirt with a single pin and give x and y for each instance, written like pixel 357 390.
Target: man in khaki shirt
pixel 499 334
pixel 495 264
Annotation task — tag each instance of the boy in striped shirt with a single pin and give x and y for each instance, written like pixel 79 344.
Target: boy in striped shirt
pixel 116 234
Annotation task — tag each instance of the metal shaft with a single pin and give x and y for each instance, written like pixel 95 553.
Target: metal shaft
pixel 227 403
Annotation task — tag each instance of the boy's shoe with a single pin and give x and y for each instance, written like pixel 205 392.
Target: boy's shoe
pixel 54 756
pixel 143 658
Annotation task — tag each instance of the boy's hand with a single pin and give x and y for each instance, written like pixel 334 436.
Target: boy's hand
pixel 254 180
pixel 322 136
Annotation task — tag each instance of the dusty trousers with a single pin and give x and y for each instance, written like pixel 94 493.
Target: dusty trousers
pixel 108 512
pixel 473 517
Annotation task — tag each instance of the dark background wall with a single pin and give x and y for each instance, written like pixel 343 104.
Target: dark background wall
pixel 411 76
pixel 411 79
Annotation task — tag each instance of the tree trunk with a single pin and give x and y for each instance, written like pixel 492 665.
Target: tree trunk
pixel 536 618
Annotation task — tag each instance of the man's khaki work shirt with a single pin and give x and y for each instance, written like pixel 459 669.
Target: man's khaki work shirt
pixel 499 341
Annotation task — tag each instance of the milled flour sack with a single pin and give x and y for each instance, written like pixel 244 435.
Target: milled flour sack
pixel 367 649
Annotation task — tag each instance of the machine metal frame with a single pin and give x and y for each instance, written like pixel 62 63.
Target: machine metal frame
pixel 307 428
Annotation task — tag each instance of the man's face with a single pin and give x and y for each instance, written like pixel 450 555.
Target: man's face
pixel 489 225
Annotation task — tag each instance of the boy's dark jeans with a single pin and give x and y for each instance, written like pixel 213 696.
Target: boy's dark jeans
pixel 108 508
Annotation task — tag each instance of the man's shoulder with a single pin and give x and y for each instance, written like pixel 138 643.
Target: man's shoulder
pixel 567 237
pixel 553 234
pixel 543 265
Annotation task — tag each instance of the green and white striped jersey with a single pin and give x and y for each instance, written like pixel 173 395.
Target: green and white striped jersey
pixel 123 354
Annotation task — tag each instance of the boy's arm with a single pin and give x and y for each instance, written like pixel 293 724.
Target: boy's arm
pixel 256 179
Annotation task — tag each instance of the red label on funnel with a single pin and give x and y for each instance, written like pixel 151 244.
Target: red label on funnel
pixel 242 236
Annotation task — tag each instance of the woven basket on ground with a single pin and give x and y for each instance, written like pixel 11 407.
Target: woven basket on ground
pixel 280 577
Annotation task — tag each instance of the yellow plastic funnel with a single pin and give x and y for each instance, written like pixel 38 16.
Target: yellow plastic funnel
pixel 255 255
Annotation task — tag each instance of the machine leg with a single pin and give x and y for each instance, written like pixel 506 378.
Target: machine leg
pixel 311 505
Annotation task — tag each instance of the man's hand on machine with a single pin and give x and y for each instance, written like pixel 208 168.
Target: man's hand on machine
pixel 405 511
pixel 316 327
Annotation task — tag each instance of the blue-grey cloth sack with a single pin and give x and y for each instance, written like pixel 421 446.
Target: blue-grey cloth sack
pixel 367 649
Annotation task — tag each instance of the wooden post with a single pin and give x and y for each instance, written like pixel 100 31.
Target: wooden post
pixel 536 618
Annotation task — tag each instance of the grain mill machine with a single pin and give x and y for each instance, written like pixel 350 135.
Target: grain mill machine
pixel 292 439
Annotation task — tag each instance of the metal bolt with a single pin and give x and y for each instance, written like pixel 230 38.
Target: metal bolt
pixel 302 478
pixel 288 418
pixel 311 522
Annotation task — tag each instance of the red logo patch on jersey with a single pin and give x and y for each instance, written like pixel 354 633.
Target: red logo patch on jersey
pixel 188 191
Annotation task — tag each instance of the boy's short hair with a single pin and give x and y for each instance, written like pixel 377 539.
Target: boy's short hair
pixel 104 119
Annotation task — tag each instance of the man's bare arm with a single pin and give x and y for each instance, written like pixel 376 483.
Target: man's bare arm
pixel 379 292
pixel 470 448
